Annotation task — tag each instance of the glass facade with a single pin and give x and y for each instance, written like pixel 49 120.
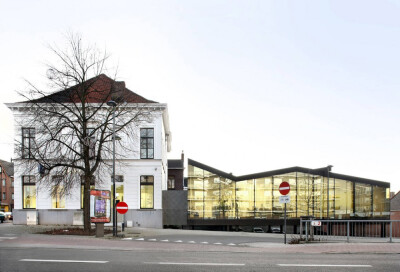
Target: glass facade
pixel 212 196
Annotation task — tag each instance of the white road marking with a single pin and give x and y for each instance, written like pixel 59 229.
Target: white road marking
pixel 217 243
pixel 178 241
pixel 164 241
pixel 192 242
pixel 9 238
pixel 209 264
pixel 204 242
pixel 126 239
pixel 231 244
pixel 326 265
pixel 61 261
pixel 139 239
pixel 152 240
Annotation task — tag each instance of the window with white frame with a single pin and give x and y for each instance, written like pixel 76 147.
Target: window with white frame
pixel 29 192
pixel 147 143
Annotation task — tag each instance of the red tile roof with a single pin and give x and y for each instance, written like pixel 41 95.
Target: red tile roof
pixel 99 89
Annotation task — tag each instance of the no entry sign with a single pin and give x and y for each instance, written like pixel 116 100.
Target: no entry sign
pixel 284 188
pixel 122 207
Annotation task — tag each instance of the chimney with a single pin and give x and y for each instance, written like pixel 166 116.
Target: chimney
pixel 182 156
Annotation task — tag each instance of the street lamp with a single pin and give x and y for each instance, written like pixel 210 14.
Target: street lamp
pixel 113 104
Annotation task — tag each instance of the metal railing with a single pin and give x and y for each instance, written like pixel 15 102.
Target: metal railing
pixel 354 230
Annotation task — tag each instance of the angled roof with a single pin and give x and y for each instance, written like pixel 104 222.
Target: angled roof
pixel 319 171
pixel 99 89
pixel 175 164
pixel 8 167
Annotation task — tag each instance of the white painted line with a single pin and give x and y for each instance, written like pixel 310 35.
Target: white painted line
pixel 231 244
pixel 152 240
pixel 139 239
pixel 122 208
pixel 209 264
pixel 326 265
pixel 164 241
pixel 204 242
pixel 61 261
pixel 178 241
pixel 9 238
pixel 126 239
pixel 192 242
pixel 217 243
pixel 284 188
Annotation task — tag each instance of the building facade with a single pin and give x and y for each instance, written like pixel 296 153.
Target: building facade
pixel 141 171
pixel 6 186
pixel 216 198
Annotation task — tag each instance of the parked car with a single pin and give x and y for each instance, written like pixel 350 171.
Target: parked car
pixel 275 229
pixel 2 217
pixel 9 215
pixel 258 230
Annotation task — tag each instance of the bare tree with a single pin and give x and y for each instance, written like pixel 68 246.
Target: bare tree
pixel 72 123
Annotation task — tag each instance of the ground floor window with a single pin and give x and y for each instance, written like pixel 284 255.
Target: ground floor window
pixel 29 192
pixel 119 188
pixel 92 187
pixel 57 195
pixel 147 192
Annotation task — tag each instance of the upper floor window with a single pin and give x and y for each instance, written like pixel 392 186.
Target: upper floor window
pixel 4 196
pixel 147 143
pixel 171 182
pixel 90 141
pixel 4 182
pixel 28 138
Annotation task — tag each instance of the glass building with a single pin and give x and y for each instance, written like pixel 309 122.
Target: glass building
pixel 219 198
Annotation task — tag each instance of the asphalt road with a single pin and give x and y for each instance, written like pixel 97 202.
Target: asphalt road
pixel 49 259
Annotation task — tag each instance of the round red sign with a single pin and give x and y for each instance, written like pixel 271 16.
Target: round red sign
pixel 122 207
pixel 284 188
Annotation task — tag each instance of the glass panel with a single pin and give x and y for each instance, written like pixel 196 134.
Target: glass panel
pixel 278 208
pixel 146 196
pixel 195 192
pixel 150 132
pixel 305 197
pixel 143 153
pixel 227 200
pixel 212 204
pixel 380 202
pixel 150 154
pixel 245 198
pixel 143 143
pixel 263 198
pixel 150 143
pixel 363 200
pixel 343 199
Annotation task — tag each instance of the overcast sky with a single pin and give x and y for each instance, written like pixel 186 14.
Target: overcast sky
pixel 251 86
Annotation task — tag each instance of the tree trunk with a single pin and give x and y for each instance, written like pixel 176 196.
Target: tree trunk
pixel 86 205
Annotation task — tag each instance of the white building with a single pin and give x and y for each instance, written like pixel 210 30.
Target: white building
pixel 141 172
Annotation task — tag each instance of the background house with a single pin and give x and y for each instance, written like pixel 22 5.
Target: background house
pixel 6 186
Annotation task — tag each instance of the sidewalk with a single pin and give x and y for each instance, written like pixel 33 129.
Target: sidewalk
pixel 28 237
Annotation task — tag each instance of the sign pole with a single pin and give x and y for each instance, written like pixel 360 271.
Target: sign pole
pixel 284 227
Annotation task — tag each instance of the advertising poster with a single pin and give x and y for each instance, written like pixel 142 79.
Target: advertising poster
pixel 100 206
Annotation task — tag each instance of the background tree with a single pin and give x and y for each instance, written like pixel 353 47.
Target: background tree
pixel 73 125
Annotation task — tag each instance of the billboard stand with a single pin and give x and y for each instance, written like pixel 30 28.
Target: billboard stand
pixel 100 209
pixel 99 229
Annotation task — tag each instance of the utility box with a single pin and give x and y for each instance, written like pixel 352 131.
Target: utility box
pixel 31 218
